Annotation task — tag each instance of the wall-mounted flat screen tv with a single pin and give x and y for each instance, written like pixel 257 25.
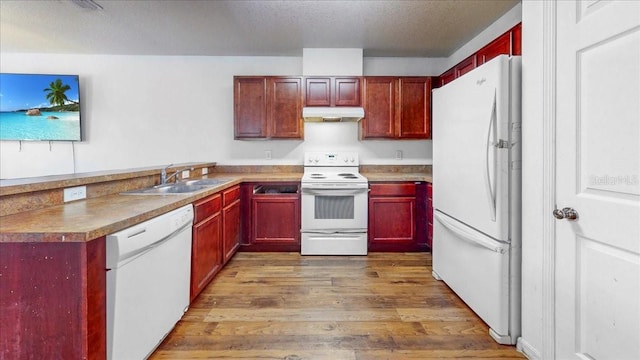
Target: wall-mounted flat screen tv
pixel 40 107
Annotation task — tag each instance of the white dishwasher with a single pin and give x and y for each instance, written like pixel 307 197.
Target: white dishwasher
pixel 148 277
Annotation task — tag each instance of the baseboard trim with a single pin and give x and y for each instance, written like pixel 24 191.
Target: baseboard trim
pixel 529 351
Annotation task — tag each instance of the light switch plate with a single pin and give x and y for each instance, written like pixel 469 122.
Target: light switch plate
pixel 75 193
pixel 205 171
pixel 398 154
pixel 185 174
pixel 267 154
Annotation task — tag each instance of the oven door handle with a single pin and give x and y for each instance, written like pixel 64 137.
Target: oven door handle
pixel 334 192
pixel 334 231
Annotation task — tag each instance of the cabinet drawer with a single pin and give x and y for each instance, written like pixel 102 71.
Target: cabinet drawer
pixel 393 189
pixel 206 207
pixel 230 195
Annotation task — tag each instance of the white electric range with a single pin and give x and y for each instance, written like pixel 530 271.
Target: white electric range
pixel 334 205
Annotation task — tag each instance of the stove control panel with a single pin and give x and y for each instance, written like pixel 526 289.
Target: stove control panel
pixel 331 159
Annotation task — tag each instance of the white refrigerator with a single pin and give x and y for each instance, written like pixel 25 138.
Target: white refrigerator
pixel 477 192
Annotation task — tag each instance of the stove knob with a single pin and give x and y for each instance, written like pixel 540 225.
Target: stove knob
pixel 353 160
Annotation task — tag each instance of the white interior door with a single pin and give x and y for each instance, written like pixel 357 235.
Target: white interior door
pixel 597 174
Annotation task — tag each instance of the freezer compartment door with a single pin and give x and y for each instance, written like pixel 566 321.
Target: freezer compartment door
pixel 476 268
pixel 471 148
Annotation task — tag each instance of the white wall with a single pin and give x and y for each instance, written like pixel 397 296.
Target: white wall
pixel 153 110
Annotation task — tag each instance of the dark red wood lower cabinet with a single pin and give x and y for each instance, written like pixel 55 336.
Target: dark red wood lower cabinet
pixel 430 216
pixel 397 217
pixel 53 300
pixel 231 223
pixel 270 216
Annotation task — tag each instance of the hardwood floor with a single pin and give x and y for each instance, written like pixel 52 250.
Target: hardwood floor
pixel 288 306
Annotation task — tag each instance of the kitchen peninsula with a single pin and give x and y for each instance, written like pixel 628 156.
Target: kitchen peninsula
pixel 52 254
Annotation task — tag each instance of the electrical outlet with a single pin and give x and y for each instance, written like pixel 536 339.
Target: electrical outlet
pixel 75 193
pixel 185 174
pixel 398 154
pixel 267 154
pixel 205 171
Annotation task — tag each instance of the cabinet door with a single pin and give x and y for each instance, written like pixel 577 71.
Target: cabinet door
pixel 516 40
pixel 317 91
pixel 397 217
pixel 465 66
pixel 206 255
pixel 391 222
pixel 347 91
pixel 276 220
pixel 285 107
pixel 499 46
pixel 250 106
pixel 415 108
pixel 379 107
pixel 447 76
pixel 430 215
pixel 230 223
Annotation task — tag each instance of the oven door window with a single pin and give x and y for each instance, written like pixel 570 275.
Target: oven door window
pixel 334 207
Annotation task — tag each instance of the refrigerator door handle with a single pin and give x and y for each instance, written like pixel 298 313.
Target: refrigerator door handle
pixel 487 175
pixel 472 237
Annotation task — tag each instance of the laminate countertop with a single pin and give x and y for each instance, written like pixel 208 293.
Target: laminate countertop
pixel 85 220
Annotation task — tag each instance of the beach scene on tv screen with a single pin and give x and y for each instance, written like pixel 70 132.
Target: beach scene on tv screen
pixel 39 107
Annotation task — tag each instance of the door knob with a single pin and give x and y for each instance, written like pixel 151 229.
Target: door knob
pixel 566 213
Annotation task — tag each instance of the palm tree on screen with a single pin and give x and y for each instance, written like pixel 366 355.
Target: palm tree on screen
pixel 56 93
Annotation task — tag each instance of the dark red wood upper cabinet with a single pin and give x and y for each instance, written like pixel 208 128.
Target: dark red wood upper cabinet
pixel 332 91
pixel 250 107
pixel 499 46
pixel 284 104
pixel 465 65
pixel 396 108
pixel 268 107
pixel 317 91
pixel 415 108
pixel 509 43
pixel 447 77
pixel 379 107
pixel 347 91
pixel 516 40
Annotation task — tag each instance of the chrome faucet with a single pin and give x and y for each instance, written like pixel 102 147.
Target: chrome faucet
pixel 165 179
pixel 175 174
pixel 163 174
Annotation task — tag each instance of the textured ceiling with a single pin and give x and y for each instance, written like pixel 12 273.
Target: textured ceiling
pixel 428 28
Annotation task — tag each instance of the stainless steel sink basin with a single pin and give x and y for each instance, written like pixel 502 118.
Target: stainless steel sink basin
pixel 182 187
pixel 204 182
pixel 167 189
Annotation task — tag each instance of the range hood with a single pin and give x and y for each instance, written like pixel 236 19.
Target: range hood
pixel 332 114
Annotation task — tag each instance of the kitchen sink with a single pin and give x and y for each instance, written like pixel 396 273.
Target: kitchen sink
pixel 181 187
pixel 204 182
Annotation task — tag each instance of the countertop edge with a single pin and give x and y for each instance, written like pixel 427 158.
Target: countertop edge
pixel 156 205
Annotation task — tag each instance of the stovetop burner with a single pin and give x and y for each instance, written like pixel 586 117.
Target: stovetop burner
pixel 332 169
